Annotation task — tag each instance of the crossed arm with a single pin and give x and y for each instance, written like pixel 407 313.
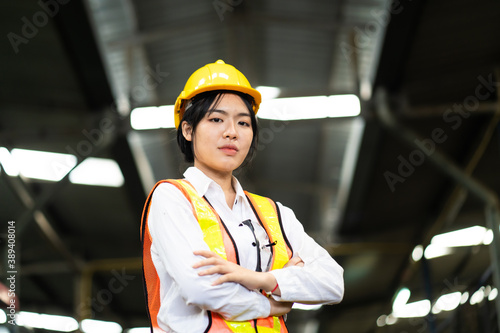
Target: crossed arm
pixel 231 272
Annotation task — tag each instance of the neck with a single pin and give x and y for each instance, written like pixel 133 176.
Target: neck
pixel 225 181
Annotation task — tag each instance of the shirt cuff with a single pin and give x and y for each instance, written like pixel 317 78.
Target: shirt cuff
pixel 265 306
pixel 285 279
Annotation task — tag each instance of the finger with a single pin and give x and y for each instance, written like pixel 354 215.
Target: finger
pixel 207 262
pixel 218 269
pixel 294 261
pixel 221 280
pixel 205 253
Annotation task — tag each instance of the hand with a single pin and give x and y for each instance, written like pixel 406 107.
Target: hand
pixel 231 272
pixel 279 308
pixel 295 261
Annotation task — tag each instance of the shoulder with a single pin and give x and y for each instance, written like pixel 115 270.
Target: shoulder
pixel 290 221
pixel 167 191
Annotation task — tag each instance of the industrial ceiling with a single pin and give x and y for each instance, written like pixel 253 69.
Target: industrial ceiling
pixel 421 159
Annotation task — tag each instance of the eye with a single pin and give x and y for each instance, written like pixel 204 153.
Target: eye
pixel 215 120
pixel 244 123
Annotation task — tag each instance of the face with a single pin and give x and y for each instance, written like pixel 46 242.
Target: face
pixel 222 138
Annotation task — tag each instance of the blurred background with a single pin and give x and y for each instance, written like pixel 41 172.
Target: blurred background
pixel 390 157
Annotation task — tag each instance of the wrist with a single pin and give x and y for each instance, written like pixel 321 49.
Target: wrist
pixel 269 282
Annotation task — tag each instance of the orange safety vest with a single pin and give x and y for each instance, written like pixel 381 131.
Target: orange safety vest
pixel 219 241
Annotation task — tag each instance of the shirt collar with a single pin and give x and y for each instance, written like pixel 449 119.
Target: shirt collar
pixel 203 184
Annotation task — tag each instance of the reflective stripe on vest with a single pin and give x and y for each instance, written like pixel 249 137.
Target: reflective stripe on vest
pixel 219 241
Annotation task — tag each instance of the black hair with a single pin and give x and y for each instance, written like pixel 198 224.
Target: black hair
pixel 201 104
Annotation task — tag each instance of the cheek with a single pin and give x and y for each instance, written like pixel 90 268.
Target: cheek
pixel 250 138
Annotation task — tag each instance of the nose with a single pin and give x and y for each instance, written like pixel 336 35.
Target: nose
pixel 230 131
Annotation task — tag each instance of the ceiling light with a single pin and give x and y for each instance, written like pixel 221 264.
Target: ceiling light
pixel 417 253
pixel 391 319
pixel 295 108
pixel 46 321
pixel 447 302
pixel 138 330
pixel 50 166
pixel 382 321
pixel 434 251
pixel 99 172
pixel 401 299
pixel 152 117
pixel 488 237
pixel 8 163
pixel 477 297
pixel 268 93
pixel 307 307
pixel 414 310
pixel 464 298
pixel 98 326
pixel 402 309
pixel 471 236
pixel 487 291
pixel 43 165
pixel 493 294
pixel 314 107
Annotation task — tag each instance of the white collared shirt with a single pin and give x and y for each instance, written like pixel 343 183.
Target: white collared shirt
pixel 186 297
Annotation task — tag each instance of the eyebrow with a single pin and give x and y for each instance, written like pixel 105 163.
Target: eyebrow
pixel 245 114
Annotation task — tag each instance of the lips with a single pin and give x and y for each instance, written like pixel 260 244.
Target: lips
pixel 229 149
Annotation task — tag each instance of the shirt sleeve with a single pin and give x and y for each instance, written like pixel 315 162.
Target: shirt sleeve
pixel 320 280
pixel 175 234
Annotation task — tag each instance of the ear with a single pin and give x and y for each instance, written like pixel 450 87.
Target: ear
pixel 187 131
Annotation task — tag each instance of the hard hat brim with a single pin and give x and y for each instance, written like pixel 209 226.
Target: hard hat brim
pixel 183 98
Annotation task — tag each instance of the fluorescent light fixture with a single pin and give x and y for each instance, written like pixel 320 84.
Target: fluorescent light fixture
pixel 314 107
pixel 477 297
pixel 488 237
pixel 99 326
pixel 487 291
pixel 386 320
pixel 3 317
pixel 402 309
pixel 414 310
pixel 381 321
pixel 391 319
pixel 99 172
pixel 417 253
pixel 294 108
pixel 401 298
pixel 443 244
pixel 493 294
pixel 434 251
pixel 138 330
pixel 464 298
pixel 152 117
pixel 50 166
pixel 268 92
pixel 447 302
pixel 306 307
pixel 43 165
pixel 8 163
pixel 46 321
pixel 471 236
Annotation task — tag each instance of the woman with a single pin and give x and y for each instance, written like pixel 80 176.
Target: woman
pixel 217 258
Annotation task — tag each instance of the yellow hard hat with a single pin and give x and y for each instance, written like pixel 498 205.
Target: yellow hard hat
pixel 214 76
